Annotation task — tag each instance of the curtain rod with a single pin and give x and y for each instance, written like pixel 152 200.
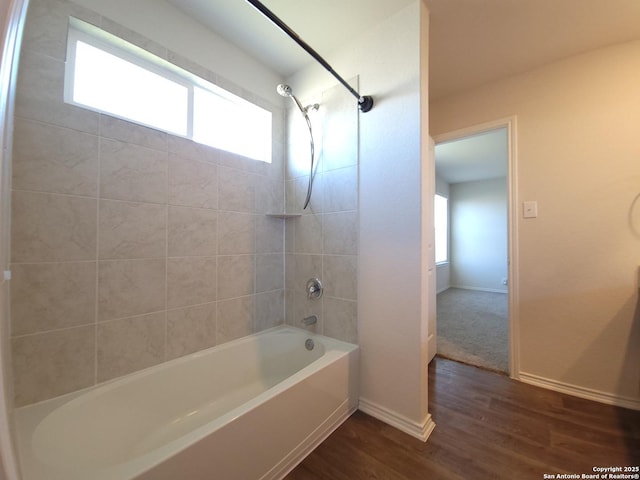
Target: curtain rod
pixel 364 102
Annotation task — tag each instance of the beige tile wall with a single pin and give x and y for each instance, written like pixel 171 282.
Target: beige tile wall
pixel 131 247
pixel 323 241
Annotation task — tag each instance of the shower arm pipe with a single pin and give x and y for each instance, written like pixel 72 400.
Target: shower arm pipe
pixel 364 102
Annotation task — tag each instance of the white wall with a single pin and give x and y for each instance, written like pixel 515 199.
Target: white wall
pixel 479 234
pixel 393 139
pixel 577 155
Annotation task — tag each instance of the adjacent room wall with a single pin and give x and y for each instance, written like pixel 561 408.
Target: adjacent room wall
pixel 577 156
pixel 479 234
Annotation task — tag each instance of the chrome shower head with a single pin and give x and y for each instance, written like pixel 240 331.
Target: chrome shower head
pixel 284 90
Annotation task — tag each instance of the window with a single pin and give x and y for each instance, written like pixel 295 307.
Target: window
pixel 108 75
pixel 441 221
pixel 231 125
pixel 111 84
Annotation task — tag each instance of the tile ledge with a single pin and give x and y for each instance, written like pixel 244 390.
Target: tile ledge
pixel 283 215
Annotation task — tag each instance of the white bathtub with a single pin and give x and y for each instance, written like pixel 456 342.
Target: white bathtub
pixel 249 409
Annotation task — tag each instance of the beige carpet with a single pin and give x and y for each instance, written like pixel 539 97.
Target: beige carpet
pixel 473 327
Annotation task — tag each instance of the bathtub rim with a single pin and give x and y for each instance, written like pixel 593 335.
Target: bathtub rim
pixel 27 418
pixel 130 377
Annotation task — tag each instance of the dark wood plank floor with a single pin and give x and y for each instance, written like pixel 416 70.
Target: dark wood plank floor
pixel 487 427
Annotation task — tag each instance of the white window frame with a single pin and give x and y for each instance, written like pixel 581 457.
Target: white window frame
pixel 446 260
pixel 80 31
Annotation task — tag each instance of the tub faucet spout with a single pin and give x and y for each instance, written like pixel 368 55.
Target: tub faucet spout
pixel 312 320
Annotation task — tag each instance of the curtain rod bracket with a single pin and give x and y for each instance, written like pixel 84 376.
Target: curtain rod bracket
pixel 365 102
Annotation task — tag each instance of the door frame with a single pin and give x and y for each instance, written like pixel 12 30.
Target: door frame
pixel 512 224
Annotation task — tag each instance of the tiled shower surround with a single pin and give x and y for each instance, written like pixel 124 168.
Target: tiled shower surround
pixel 323 242
pixel 131 247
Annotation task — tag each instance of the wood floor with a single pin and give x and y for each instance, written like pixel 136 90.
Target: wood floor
pixel 487 427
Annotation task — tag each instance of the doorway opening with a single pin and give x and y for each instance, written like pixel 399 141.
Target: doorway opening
pixel 474 231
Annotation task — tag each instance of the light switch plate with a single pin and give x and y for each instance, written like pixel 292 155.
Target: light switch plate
pixel 530 209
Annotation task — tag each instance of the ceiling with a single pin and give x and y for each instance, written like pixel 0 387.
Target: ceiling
pixel 476 41
pixel 323 24
pixel 471 41
pixel 477 157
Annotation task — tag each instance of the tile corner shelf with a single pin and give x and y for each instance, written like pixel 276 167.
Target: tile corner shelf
pixel 283 215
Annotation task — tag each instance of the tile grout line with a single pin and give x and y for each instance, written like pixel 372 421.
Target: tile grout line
pixel 217 250
pixel 97 288
pixel 166 257
pixel 255 326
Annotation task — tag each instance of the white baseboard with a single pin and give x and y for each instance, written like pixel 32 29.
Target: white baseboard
pixel 421 431
pixel 582 392
pixel 480 289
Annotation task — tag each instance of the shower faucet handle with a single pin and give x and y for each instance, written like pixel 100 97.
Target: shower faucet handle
pixel 314 288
